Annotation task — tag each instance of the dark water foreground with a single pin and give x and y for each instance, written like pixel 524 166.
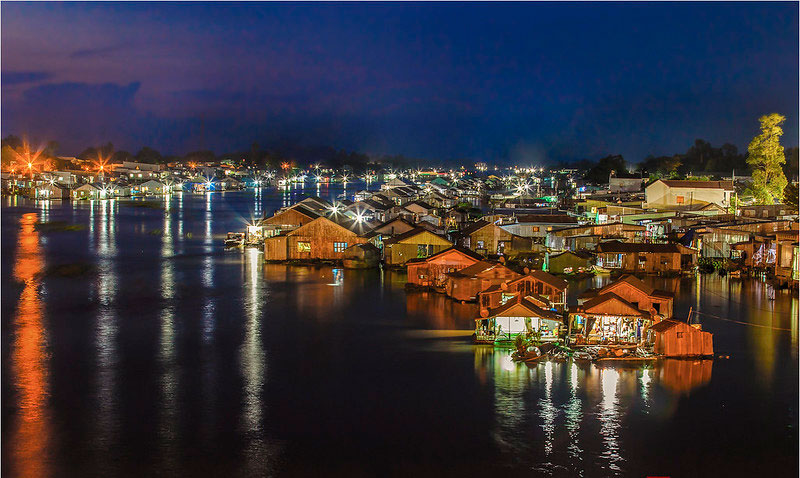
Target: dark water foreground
pixel 134 345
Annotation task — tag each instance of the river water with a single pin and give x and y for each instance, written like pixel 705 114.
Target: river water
pixel 136 345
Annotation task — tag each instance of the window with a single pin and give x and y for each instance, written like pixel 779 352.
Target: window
pixel 424 250
pixel 535 228
pixel 303 247
pixel 679 199
pixel 480 244
pixel 339 246
pixel 680 335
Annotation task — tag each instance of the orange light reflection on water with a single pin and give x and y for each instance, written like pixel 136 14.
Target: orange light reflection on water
pixel 29 362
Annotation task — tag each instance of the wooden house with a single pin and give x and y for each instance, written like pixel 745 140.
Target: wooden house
pixel 416 243
pixel 86 191
pixel 465 284
pixel 537 284
pixel 150 188
pixel 320 239
pixel 671 338
pixel 588 236
pixel 643 297
pixel 486 237
pixel 569 261
pixel 52 191
pixel 432 271
pixel 288 219
pixel 648 258
pixel 518 316
pixel 608 318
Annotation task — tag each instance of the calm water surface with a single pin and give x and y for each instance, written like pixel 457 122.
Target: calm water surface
pixel 170 356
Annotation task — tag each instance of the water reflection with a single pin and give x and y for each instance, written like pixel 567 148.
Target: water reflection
pixel 253 366
pixel 32 433
pixel 106 325
pixel 599 398
pixel 168 412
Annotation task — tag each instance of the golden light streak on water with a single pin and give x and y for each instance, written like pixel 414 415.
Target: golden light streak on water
pixel 168 413
pixel 31 431
pixel 106 328
pixel 254 367
pixel 548 411
pixel 609 417
pixel 573 415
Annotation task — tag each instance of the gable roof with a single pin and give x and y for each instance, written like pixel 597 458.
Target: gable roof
pixel 525 306
pixel 477 268
pixel 545 277
pixel 675 183
pixel 602 301
pixel 308 225
pixel 454 249
pixel 414 232
pixel 474 227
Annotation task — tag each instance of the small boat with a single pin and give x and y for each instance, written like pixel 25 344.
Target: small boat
pixel 234 239
pixel 600 270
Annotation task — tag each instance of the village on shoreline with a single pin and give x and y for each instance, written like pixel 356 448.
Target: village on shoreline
pixel 504 240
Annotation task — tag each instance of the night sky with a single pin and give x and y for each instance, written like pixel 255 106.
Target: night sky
pixel 528 83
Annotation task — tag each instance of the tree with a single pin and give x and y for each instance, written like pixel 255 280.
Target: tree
pixel 790 196
pixel 600 173
pixel 765 157
pixel 149 155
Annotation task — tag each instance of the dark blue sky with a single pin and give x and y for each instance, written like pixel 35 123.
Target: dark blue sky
pixel 524 82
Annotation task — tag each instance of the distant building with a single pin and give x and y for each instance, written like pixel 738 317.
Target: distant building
pixel 625 183
pixel 666 193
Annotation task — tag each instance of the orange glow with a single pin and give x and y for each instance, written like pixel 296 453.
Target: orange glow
pixel 26 158
pixel 285 165
pixel 29 364
pixel 101 163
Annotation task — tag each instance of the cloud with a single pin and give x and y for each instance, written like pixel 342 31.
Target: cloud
pixel 75 114
pixel 96 52
pixel 21 77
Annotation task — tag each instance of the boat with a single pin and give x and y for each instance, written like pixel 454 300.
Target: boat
pixel 234 239
pixel 600 270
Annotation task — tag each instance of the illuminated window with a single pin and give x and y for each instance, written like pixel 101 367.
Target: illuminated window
pixel 303 247
pixel 339 246
pixel 679 199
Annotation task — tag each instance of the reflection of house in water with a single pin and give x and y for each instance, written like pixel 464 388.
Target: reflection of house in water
pixel 552 412
pixel 683 376
pixel 438 312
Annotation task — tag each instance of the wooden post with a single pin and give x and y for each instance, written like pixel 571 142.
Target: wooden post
pixel 689 319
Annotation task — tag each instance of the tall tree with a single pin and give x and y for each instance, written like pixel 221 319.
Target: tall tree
pixel 791 196
pixel 766 158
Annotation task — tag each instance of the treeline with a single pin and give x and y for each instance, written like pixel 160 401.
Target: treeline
pixel 273 157
pixel 701 159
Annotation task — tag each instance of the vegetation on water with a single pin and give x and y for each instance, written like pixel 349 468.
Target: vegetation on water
pixel 57 226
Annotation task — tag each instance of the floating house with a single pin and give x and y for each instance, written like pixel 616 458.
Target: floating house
pixel 52 191
pixel 320 239
pixel 643 297
pixel 86 191
pixel 569 261
pixel 671 338
pixel 288 219
pixel 609 319
pixel 486 237
pixel 536 283
pixel 432 271
pixel 519 316
pixel 361 256
pixel 647 258
pixel 416 243
pixel 465 284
